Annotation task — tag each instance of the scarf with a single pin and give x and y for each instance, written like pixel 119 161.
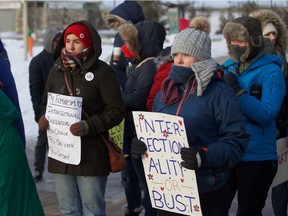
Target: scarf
pixel 203 70
pixel 180 74
pixel 71 61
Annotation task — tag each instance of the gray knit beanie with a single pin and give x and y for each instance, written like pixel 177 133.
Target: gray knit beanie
pixel 195 40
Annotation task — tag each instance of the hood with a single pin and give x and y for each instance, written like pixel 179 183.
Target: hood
pixel 268 16
pixel 142 39
pixel 246 29
pixel 96 50
pixel 49 37
pixel 128 11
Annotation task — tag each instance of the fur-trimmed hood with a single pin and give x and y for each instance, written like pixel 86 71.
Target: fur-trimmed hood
pixel 245 29
pixel 141 39
pixel 128 11
pixel 268 16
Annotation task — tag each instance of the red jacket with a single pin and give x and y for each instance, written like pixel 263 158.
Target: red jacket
pixel 161 74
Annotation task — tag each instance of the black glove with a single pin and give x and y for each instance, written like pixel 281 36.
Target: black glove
pixel 138 148
pixel 192 158
pixel 232 80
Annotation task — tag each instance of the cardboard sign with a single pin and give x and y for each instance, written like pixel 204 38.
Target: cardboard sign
pixel 282 174
pixel 117 133
pixel 61 112
pixel 171 186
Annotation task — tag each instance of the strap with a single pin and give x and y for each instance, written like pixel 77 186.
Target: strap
pixel 68 86
pixel 185 96
pixel 71 94
pixel 144 61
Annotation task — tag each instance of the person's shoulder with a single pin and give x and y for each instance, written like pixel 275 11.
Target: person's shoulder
pixel 102 68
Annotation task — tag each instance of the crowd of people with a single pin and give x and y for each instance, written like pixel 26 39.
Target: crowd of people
pixel 234 112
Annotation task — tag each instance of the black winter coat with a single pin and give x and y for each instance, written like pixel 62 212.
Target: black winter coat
pixel 102 101
pixel 39 69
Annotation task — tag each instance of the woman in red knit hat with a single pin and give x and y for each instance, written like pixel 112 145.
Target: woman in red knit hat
pixel 77 71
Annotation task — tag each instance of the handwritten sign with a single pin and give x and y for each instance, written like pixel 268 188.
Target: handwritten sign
pixel 61 112
pixel 116 133
pixel 282 174
pixel 171 186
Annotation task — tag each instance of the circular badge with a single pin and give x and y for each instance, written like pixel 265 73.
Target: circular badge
pixel 82 35
pixel 89 76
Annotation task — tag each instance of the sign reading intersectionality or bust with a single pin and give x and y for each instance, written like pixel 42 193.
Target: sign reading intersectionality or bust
pixel 171 186
pixel 61 112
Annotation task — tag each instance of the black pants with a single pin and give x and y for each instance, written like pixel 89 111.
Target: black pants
pixel 40 151
pixel 212 203
pixel 252 180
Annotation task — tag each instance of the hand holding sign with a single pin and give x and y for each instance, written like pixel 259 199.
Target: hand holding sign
pixel 79 128
pixel 138 148
pixel 192 158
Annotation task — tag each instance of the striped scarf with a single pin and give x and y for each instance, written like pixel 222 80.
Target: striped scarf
pixel 71 61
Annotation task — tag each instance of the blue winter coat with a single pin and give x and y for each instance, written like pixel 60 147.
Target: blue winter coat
pixel 266 71
pixel 213 120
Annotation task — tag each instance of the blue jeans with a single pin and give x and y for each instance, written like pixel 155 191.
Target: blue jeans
pixel 81 195
pixel 280 199
pixel 131 185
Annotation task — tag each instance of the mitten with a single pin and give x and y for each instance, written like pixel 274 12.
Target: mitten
pixel 43 123
pixel 232 80
pixel 138 148
pixel 79 128
pixel 192 158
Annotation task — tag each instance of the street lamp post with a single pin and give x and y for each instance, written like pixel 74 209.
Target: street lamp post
pixel 25 27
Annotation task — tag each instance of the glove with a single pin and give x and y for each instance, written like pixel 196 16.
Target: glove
pixel 192 158
pixel 43 123
pixel 138 148
pixel 79 128
pixel 232 80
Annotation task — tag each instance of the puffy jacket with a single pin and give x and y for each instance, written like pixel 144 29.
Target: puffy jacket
pixel 214 121
pixel 265 71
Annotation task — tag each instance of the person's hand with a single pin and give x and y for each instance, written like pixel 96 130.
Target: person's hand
pixel 138 148
pixel 192 158
pixel 79 128
pixel 232 80
pixel 43 123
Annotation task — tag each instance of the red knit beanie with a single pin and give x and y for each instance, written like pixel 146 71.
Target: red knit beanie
pixel 81 31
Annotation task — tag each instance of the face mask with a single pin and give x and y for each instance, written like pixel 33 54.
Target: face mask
pixel 269 46
pixel 238 51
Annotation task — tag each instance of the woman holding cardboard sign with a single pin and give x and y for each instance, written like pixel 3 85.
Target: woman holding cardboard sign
pixel 213 119
pixel 78 71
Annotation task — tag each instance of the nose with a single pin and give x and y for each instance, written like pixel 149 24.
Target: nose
pixel 71 46
pixel 178 59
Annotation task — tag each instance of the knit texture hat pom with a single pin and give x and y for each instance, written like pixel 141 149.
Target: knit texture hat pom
pixel 81 32
pixel 269 28
pixel 195 40
pixel 200 23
